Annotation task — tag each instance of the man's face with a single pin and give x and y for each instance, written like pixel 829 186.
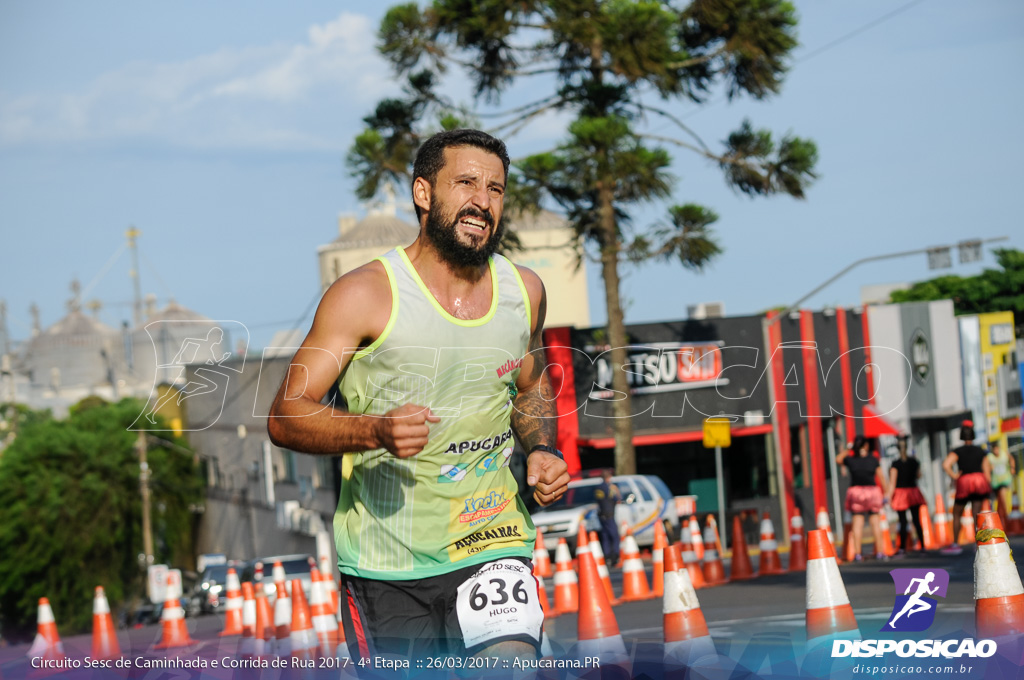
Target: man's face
pixel 464 222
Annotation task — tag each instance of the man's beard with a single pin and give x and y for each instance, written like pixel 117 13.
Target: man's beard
pixel 444 237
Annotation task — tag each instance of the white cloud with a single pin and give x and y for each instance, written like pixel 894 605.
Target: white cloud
pixel 275 96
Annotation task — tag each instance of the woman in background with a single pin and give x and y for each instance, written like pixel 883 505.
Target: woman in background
pixel 904 496
pixel 973 478
pixel 1003 470
pixel 864 497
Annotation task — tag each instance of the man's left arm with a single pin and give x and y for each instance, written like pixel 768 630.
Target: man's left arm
pixel 534 417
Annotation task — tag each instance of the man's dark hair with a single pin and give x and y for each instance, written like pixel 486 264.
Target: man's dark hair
pixel 430 156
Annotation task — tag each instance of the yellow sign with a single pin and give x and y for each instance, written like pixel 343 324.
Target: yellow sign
pixel 716 433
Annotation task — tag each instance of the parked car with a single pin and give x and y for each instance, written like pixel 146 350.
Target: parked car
pixel 646 501
pixel 296 566
pixel 210 591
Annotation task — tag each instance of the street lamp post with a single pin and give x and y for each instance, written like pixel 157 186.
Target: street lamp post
pixel 969 251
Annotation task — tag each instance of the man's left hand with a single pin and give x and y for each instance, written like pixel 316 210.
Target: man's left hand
pixel 548 474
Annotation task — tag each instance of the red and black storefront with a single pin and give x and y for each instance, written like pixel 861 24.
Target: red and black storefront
pixel 814 366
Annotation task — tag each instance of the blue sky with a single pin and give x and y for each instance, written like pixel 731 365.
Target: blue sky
pixel 220 129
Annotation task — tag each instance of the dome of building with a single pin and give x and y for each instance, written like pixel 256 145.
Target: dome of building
pixel 77 351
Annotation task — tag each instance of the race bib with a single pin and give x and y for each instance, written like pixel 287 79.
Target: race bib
pixel 499 601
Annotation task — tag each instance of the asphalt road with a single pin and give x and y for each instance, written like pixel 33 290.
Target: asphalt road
pixel 770 606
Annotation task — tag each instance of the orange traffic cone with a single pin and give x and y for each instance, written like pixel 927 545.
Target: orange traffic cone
pixel 769 562
pixel 566 584
pixel 658 560
pixel 824 523
pixel 713 523
pixel 634 576
pixel 277 573
pixel 330 585
pixel 175 633
pixel 247 645
pixel 597 630
pixel 282 621
pixel 541 557
pixel 304 642
pixel 233 610
pixel 966 527
pixel 1015 521
pixel 602 568
pixel 999 594
pixel 264 625
pixel 741 567
pixel 942 529
pixel 542 592
pixel 797 548
pixel 928 540
pixel 986 505
pixel 849 550
pixel 714 572
pixel 887 548
pixel 696 538
pixel 324 622
pixel 828 607
pixel 686 631
pixel 47 644
pixel 690 561
pixel 104 637
pixel 582 543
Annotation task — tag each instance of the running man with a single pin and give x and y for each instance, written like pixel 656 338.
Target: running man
pixel 915 604
pixel 436 351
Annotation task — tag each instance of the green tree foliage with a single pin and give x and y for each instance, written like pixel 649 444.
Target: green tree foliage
pixel 609 62
pixel 70 512
pixel 993 290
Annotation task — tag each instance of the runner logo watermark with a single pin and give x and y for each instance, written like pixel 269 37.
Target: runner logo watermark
pixel 914 609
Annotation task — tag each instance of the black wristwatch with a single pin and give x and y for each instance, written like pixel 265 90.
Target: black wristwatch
pixel 548 449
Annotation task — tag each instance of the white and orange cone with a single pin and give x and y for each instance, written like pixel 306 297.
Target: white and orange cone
pixel 686 631
pixel 47 644
pixel 541 557
pixel 797 546
pixel 233 602
pixel 658 560
pixel 566 584
pixel 696 538
pixel 282 621
pixel 597 630
pixel 829 613
pixel 769 562
pixel 175 633
pixel 634 576
pixel 714 571
pixel 264 626
pixel 967 531
pixel 998 592
pixel 330 585
pixel 741 569
pixel 602 568
pixel 304 642
pixel 542 592
pixel 690 561
pixel 324 622
pixel 247 645
pixel 887 547
pixel 942 528
pixel 104 636
pixel 824 523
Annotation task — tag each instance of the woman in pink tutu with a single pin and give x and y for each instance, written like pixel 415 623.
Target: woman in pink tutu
pixel 865 495
pixel 904 496
pixel 973 478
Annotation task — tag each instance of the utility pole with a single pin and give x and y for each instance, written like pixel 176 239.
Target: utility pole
pixel 147 525
pixel 132 234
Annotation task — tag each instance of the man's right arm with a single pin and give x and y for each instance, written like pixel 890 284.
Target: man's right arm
pixel 353 312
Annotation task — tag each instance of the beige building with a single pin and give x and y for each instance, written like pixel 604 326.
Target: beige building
pixel 547 249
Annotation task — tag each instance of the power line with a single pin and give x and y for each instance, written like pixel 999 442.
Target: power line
pixel 857 31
